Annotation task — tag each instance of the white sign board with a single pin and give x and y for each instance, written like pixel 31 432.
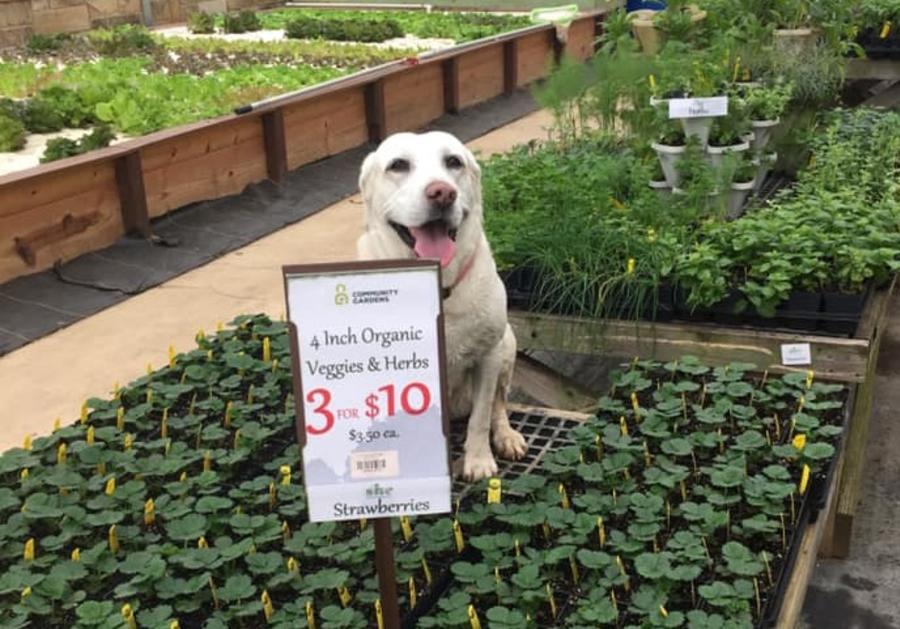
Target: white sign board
pixel 698 107
pixel 367 369
pixel 796 354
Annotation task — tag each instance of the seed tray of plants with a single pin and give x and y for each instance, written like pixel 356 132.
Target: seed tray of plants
pixel 180 498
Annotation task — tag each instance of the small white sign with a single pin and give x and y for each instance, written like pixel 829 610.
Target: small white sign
pixel 796 354
pixel 367 363
pixel 698 107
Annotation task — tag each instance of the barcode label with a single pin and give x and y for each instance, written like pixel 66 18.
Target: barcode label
pixel 374 464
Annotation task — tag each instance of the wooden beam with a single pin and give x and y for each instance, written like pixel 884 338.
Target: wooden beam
pixel 132 196
pixel 275 142
pixel 833 358
pixel 375 111
pixel 872 69
pixel 544 385
pixel 510 66
pixel 450 69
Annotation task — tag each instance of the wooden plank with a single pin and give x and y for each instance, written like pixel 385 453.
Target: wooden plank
pixel 375 111
pixel 62 20
pixel 873 323
pixel 414 98
pixel 534 58
pixel 550 388
pixel 481 75
pixel 833 358
pixel 132 196
pixel 325 126
pixel 275 144
pixel 450 74
pixel 214 163
pixel 872 69
pixel 580 40
pixel 510 66
pixel 888 97
pixel 58 207
pixel 795 594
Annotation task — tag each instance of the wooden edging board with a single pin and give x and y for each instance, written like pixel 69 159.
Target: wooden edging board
pixel 57 211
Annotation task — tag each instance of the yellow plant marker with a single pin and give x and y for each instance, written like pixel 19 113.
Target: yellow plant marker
pixel 228 409
pixel 89 437
pixel 494 491
pixel 56 424
pixel 250 390
pixel 648 460
pixel 267 350
pixel 183 477
pixel 474 622
pixel 164 425
pixel 200 336
pixel 209 355
pixel 344 595
pixel 292 566
pixel 426 571
pixel 379 614
pixel 110 487
pixel 27 443
pixel 26 592
pixel 149 512
pixel 737 69
pixel 28 551
pixel 573 566
pixel 214 591
pixel 128 441
pixel 171 357
pixel 885 30
pixel 413 593
pixel 285 530
pixel 517 547
pixel 311 615
pixel 167 447
pixel 497 578
pixel 810 375
pixel 113 539
pixel 149 395
pixel 563 497
pixel 601 532
pixel 804 479
pixel 76 555
pixel 458 537
pixel 268 608
pixel 553 610
pixel 285 471
pixel 651 235
pixel 630 265
pixel 120 418
pixel 652 80
pixel 663 612
pixel 128 616
pixel 623 427
pixel 363 523
pixel 635 403
pixel 207 461
pixel 117 391
pixel 202 543
pixel 23 475
pixel 799 442
pixel 801 403
pixel 274 365
pixel 236 442
pixel 406 528
pixel 84 412
pixel 598 442
pixel 174 625
pixel 61 454
pixel 273 496
pixel 615 603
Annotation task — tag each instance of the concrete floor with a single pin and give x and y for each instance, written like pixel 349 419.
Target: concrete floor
pixel 863 592
pixel 52 377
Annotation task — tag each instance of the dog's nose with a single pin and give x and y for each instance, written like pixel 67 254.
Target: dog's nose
pixel 441 194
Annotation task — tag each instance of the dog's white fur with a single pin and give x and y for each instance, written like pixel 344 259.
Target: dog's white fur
pixel 480 345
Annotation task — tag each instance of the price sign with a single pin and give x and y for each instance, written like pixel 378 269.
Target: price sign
pixel 367 361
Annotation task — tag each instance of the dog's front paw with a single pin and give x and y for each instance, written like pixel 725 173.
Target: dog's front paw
pixel 472 467
pixel 510 444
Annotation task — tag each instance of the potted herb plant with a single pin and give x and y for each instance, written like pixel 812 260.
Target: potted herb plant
pixel 658 181
pixel 765 105
pixel 741 186
pixel 669 149
pixel 652 28
pixel 794 33
pixel 727 137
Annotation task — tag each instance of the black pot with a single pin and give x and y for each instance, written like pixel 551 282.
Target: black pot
pixel 800 311
pixel 841 311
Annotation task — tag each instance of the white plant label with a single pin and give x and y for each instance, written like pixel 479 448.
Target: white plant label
pixel 698 107
pixel 367 367
pixel 795 354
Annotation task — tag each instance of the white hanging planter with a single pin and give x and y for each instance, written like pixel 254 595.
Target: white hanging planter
pixel 716 154
pixel 737 198
pixel 698 128
pixel 669 156
pixel 762 133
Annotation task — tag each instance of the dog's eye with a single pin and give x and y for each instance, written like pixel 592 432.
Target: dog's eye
pixel 399 166
pixel 452 161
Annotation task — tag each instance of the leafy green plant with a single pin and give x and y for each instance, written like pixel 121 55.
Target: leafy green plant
pixel 357 29
pixel 122 41
pixel 12 134
pixel 60 148
pixel 242 22
pixel 202 23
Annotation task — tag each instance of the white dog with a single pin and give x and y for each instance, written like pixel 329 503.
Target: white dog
pixel 423 199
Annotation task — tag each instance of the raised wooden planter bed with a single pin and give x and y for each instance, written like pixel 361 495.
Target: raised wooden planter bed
pixel 63 209
pixel 852 361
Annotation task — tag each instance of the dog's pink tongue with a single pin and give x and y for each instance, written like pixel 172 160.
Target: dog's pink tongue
pixel 433 241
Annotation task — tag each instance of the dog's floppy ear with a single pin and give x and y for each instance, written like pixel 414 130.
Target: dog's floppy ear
pixel 365 176
pixel 473 174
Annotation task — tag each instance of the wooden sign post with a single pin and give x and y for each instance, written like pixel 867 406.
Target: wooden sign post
pixel 367 345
